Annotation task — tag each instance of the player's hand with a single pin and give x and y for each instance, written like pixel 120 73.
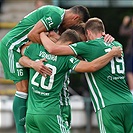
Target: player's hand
pixel 117 51
pixel 108 38
pixel 41 68
pixel 53 36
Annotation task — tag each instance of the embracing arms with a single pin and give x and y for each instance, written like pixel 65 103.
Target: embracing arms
pixel 84 66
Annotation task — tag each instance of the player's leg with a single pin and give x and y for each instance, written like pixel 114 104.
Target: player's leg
pixel 20 77
pixel 31 124
pixel 50 124
pixel 128 120
pixel 110 119
pixel 100 122
pixel 17 73
pixel 19 105
pixel 66 115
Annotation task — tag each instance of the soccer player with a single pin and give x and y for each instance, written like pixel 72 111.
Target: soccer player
pixel 45 18
pixel 112 100
pixel 43 114
pixel 64 97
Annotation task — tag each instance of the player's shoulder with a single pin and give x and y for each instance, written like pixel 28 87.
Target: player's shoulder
pixel 97 40
pixel 34 46
pixel 78 44
pixel 94 42
pixel 116 43
pixel 51 8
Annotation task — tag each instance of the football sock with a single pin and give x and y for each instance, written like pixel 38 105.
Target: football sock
pixel 19 111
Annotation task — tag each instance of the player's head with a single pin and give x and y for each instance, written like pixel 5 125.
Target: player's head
pixel 74 16
pixel 82 12
pixel 80 30
pixel 68 37
pixel 93 27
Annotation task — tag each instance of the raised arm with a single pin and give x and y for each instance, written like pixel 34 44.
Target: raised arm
pixel 34 34
pixel 52 48
pixel 84 66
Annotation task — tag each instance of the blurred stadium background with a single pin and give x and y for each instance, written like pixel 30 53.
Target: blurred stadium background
pixel 110 11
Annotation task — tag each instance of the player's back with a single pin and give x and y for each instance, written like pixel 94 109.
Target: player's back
pixel 51 17
pixel 107 85
pixel 109 82
pixel 44 93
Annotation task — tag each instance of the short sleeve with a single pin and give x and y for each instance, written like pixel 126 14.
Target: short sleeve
pixel 72 62
pixel 29 50
pixel 52 20
pixel 79 48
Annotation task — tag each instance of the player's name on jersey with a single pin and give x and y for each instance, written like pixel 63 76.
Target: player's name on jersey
pixel 48 56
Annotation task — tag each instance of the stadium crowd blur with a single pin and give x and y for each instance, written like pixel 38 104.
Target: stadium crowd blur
pixel 126 29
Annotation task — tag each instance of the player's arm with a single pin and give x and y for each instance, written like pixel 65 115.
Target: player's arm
pixel 53 36
pixel 34 34
pixel 24 46
pixel 84 66
pixel 52 48
pixel 36 65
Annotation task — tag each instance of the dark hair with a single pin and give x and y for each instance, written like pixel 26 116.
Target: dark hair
pixel 69 35
pixel 95 25
pixel 80 30
pixel 82 11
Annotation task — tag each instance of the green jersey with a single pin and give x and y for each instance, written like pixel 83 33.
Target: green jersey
pixel 64 96
pixel 51 17
pixel 44 93
pixel 107 85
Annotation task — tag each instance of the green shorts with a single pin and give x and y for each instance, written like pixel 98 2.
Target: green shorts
pixel 116 119
pixel 12 69
pixel 45 124
pixel 66 115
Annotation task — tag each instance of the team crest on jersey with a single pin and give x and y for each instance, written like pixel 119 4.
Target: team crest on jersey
pixel 72 60
pixel 107 44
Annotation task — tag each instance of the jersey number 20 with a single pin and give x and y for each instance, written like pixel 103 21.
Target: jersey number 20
pixel 42 82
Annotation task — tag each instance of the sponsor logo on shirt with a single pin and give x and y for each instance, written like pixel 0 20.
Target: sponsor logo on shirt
pixel 115 78
pixel 18 65
pixel 73 60
pixel 40 93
